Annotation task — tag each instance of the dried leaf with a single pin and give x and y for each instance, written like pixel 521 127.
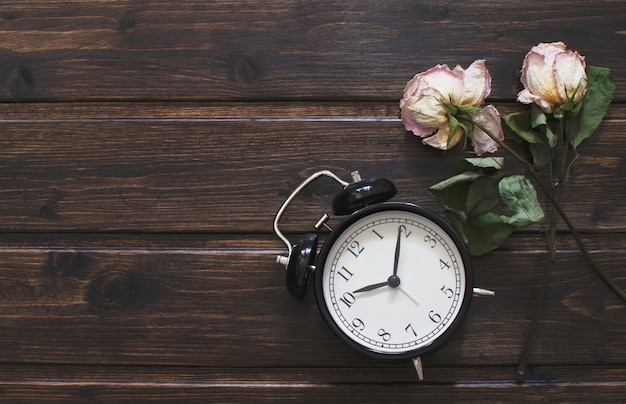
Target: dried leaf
pixel 532 128
pixel 520 198
pixel 452 192
pixel 482 196
pixel 483 233
pixel 600 91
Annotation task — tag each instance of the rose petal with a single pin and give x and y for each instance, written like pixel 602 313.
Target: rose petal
pixel 526 97
pixel 538 78
pixel 489 118
pixel 445 81
pixel 440 139
pixel 412 86
pixel 424 114
pixel 412 125
pixel 546 49
pixel 570 75
pixel 476 84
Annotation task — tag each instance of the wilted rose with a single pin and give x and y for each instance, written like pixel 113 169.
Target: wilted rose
pixel 554 78
pixel 439 102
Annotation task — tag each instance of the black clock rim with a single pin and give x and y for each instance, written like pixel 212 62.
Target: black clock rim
pixel 408 207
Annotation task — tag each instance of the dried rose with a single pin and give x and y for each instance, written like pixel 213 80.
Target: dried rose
pixel 441 106
pixel 554 78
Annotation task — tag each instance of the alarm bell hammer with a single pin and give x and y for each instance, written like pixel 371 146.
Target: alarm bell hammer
pixel 281 259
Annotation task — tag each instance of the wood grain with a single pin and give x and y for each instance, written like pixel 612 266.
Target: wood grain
pixel 287 50
pixel 230 173
pixel 145 147
pixel 193 307
pixel 79 384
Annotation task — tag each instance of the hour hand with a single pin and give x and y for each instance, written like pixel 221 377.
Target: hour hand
pixel 371 287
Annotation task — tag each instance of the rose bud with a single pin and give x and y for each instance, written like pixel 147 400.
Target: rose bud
pixel 554 78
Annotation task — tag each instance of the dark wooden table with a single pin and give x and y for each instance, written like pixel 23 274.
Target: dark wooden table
pixel 145 147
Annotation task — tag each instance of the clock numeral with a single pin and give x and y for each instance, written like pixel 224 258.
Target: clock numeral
pixel 447 291
pixel 443 264
pixel 402 229
pixel 434 317
pixel 378 234
pixel 356 249
pixel 410 328
pixel 348 299
pixel 345 274
pixel 431 241
pixel 384 334
pixel 358 324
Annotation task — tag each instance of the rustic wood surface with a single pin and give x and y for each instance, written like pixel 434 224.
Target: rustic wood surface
pixel 145 147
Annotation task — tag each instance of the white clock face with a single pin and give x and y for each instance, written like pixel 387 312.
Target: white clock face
pixel 393 281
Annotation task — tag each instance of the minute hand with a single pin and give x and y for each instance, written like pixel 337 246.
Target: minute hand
pixel 396 258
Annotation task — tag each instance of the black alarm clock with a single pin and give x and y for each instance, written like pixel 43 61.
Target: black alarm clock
pixel 393 280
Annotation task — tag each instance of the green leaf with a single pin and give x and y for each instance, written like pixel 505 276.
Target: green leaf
pixel 482 196
pixel 481 165
pixel 452 192
pixel 468 109
pixel 600 91
pixel 531 127
pixel 453 123
pixel 518 125
pixel 485 233
pixel 542 154
pixel 464 127
pixel 539 122
pixel 520 198
pixel 487 162
pixel 458 222
pixel 475 197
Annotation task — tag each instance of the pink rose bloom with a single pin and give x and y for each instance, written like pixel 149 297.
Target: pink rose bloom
pixel 553 77
pixel 432 96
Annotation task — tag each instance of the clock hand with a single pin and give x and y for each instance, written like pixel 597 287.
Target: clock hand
pixel 371 287
pixel 396 258
pixel 409 296
pixel 393 280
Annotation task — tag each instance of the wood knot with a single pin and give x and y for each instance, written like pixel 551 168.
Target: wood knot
pixel 440 13
pixel 119 290
pixel 247 70
pixel 8 16
pixel 125 23
pixel 66 264
pixel 48 210
pixel 600 215
pixel 21 83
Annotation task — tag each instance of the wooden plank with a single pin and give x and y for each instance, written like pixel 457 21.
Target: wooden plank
pixel 229 308
pixel 229 173
pixel 527 242
pixel 77 384
pixel 239 111
pixel 269 50
pixel 181 110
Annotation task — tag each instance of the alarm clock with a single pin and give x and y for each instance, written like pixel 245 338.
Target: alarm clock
pixel 393 280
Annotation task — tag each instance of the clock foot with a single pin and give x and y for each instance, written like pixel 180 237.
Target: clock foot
pixel 417 364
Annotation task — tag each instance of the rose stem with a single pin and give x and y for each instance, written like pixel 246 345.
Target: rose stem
pixel 555 203
pixel 545 283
